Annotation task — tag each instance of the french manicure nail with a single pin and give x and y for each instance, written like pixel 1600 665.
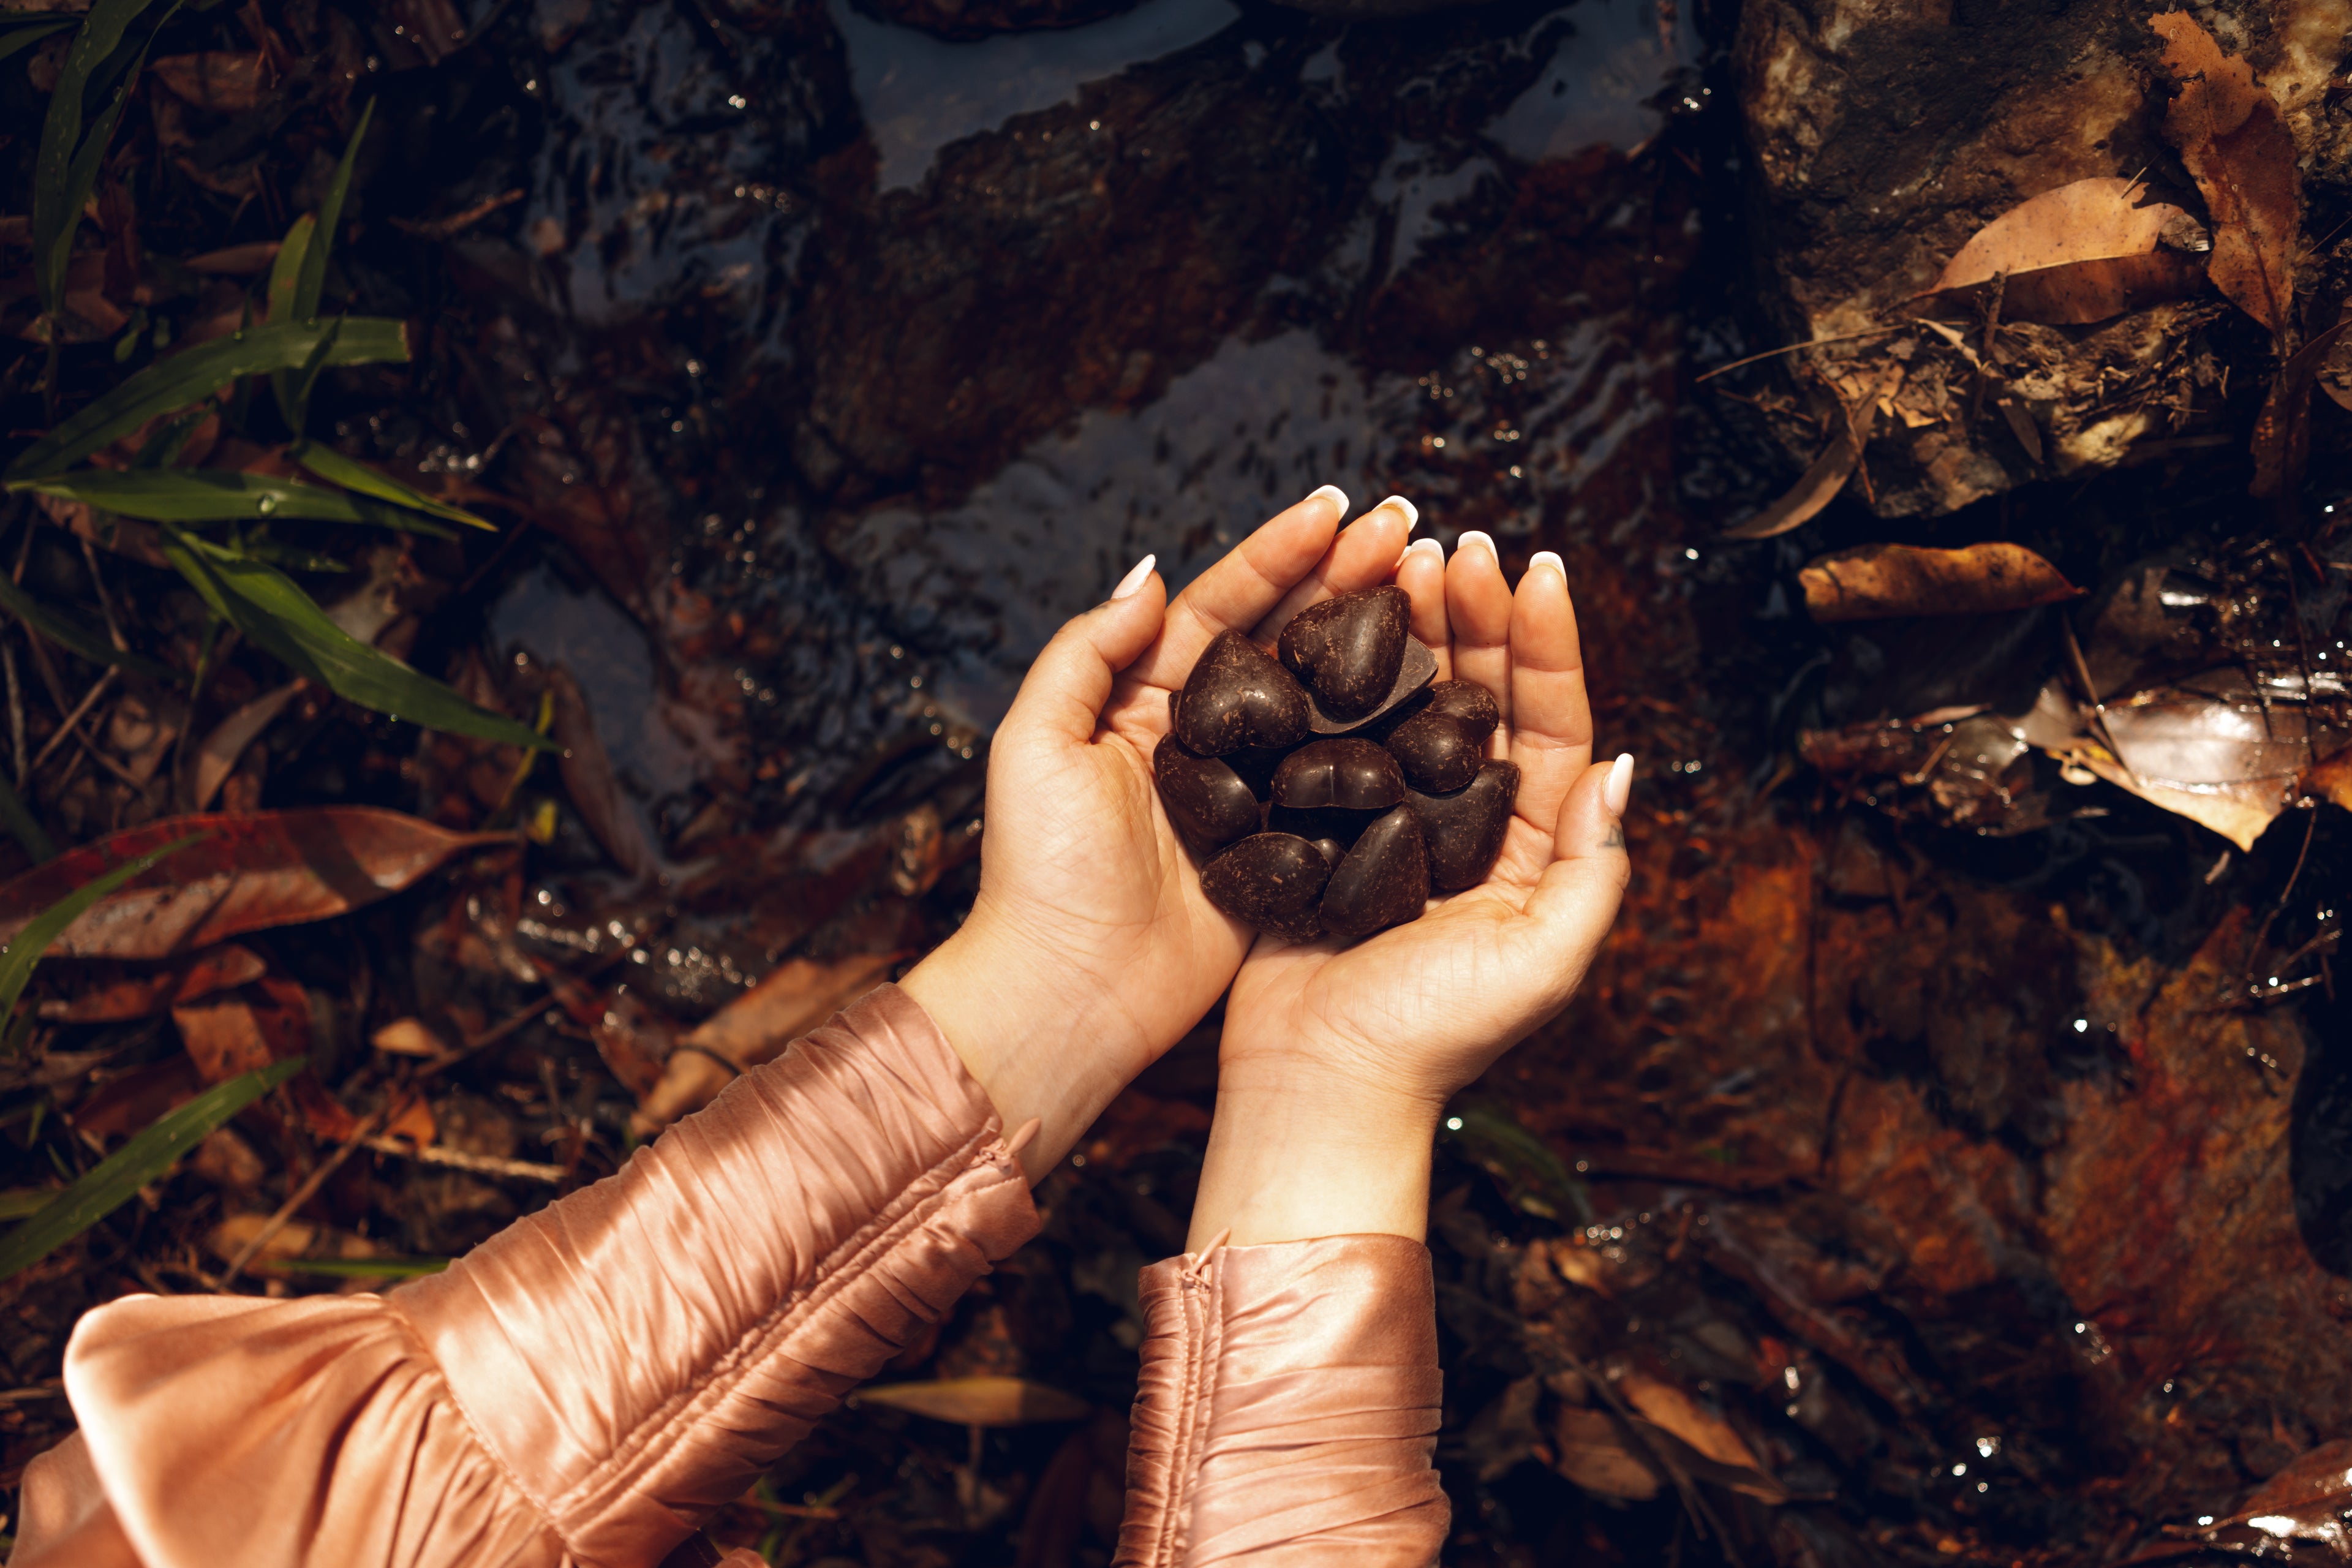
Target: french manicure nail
pixel 1335 493
pixel 1479 537
pixel 1429 547
pixel 1133 581
pixel 1619 787
pixel 1548 558
pixel 1412 512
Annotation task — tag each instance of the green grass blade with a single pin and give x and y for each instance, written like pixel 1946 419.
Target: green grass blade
pixel 197 495
pixel 17 959
pixel 23 31
pixel 293 387
pixel 286 272
pixel 115 1180
pixel 23 1203
pixel 277 617
pixel 354 475
pixel 77 638
pixel 351 1268
pixel 24 828
pixel 184 378
pixel 313 280
pixel 55 213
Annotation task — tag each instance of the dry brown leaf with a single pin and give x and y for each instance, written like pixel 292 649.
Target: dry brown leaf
pixel 236 1031
pixel 755 1028
pixel 2084 252
pixel 1591 1450
pixel 589 780
pixel 1820 484
pixel 2227 130
pixel 979 1401
pixel 295 1238
pixel 2308 1500
pixel 409 1038
pixel 2282 444
pixel 217 759
pixel 1872 582
pixel 223 82
pixel 1665 1405
pixel 108 993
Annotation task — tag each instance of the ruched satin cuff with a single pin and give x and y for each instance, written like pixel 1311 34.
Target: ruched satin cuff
pixel 1287 1409
pixel 590 1383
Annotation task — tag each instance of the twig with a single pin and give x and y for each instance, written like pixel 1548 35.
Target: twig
pixel 474 1164
pixel 55 1388
pixel 1792 348
pixel 16 712
pixel 458 222
pixel 97 690
pixel 311 1185
pixel 1992 326
pixel 105 604
pixel 2098 709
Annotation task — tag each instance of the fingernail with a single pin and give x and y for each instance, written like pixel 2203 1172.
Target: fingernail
pixel 1335 493
pixel 1429 547
pixel 1619 787
pixel 1412 512
pixel 1133 581
pixel 1548 558
pixel 1481 538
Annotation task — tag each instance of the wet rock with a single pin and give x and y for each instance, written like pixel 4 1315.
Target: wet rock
pixel 968 19
pixel 1384 880
pixel 1207 801
pixel 1237 697
pixel 1273 881
pixel 1465 829
pixel 1352 775
pixel 1348 650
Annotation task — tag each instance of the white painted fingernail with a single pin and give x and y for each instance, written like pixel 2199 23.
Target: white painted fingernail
pixel 1548 558
pixel 1479 537
pixel 1412 512
pixel 1429 547
pixel 1619 787
pixel 1133 581
pixel 1335 493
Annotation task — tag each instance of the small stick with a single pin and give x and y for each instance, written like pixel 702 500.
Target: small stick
pixel 105 604
pixel 16 712
pixel 309 1188
pixel 476 1164
pixel 97 688
pixel 1792 348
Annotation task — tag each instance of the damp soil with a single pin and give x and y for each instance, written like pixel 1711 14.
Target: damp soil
pixel 1977 1183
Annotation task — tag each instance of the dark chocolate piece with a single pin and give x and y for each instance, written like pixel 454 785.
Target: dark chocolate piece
pixel 1273 881
pixel 1342 827
pixel 1437 752
pixel 1354 775
pixel 1237 697
pixel 1420 666
pixel 1210 803
pixel 1346 651
pixel 1466 828
pixel 1468 702
pixel 1384 880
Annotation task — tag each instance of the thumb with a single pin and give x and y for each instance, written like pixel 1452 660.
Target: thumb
pixel 1064 693
pixel 1575 900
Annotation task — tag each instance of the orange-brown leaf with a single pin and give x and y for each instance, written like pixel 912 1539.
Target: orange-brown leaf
pixel 2227 130
pixel 2081 253
pixel 217 81
pixel 978 1401
pixel 1872 582
pixel 110 993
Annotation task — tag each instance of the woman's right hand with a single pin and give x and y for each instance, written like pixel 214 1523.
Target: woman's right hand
pixel 1090 948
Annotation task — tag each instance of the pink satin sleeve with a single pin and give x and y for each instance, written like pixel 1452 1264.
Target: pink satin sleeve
pixel 1287 1409
pixel 585 1386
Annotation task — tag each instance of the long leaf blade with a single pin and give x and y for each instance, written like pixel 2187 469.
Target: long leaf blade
pixel 54 213
pixel 23 32
pixel 184 378
pixel 286 269
pixel 25 948
pixel 276 616
pixel 313 278
pixel 115 1180
pixel 76 638
pixel 368 480
pixel 197 495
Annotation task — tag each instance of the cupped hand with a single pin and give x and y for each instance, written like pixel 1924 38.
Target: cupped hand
pixel 1089 950
pixel 1337 1061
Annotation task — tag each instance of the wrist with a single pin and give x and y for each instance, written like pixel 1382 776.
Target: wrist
pixel 1298 1152
pixel 1013 1037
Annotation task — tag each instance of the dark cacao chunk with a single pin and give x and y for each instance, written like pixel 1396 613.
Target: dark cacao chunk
pixel 1467 701
pixel 1348 649
pixel 1437 752
pixel 1237 697
pixel 1342 827
pixel 1354 775
pixel 1419 665
pixel 1384 880
pixel 1465 829
pixel 1273 881
pixel 1210 803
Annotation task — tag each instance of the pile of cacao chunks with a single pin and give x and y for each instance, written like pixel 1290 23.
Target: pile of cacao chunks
pixel 1331 793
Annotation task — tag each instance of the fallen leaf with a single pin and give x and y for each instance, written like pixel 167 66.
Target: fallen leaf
pixel 2082 253
pixel 111 993
pixel 2308 1500
pixel 218 80
pixel 251 1026
pixel 589 780
pixel 2022 426
pixel 978 1401
pixel 2227 130
pixel 755 1028
pixel 295 1238
pixel 217 759
pixel 1663 1405
pixel 235 260
pixel 138 1099
pixel 1591 1450
pixel 1872 582
pixel 1820 484
pixel 256 870
pixel 409 1038
pixel 2282 444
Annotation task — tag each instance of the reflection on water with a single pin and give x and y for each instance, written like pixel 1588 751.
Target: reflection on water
pixel 1602 84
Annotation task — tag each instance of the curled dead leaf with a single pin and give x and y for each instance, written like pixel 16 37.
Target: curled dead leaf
pixel 1591 1450
pixel 2084 252
pixel 2230 133
pixel 1872 582
pixel 409 1038
pixel 1820 484
pixel 2309 1499
pixel 2282 444
pixel 108 993
pixel 217 758
pixel 588 779
pixel 218 80
pixel 753 1029
pixel 979 1401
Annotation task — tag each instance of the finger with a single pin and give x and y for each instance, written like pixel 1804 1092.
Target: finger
pixel 1551 721
pixel 1237 591
pixel 1422 575
pixel 1478 609
pixel 1575 900
pixel 1063 695
pixel 1364 554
